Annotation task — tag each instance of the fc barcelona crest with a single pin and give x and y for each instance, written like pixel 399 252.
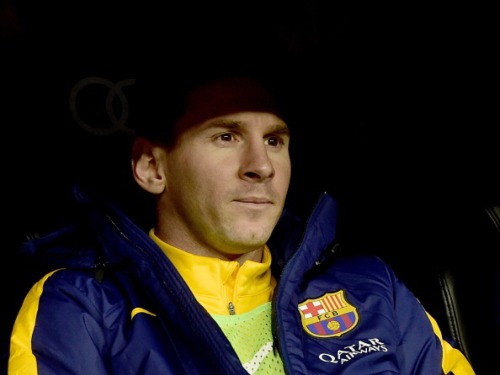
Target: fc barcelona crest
pixel 328 316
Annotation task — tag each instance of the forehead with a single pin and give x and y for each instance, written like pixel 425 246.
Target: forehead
pixel 260 121
pixel 225 97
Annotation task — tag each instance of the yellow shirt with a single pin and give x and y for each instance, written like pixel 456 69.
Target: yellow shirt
pixel 218 283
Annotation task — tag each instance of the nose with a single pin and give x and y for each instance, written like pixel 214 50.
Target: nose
pixel 255 162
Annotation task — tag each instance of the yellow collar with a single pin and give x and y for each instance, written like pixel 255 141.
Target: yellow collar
pixel 216 283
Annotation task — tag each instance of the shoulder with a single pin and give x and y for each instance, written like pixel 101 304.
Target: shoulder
pixel 371 264
pixel 83 287
pixel 365 269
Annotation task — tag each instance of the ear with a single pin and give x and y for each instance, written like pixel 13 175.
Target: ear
pixel 147 161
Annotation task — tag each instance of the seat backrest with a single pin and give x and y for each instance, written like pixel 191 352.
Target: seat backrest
pixel 470 293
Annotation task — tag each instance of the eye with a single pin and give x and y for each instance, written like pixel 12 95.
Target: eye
pixel 226 137
pixel 275 141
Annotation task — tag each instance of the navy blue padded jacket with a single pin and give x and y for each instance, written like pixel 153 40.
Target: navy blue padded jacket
pixel 115 304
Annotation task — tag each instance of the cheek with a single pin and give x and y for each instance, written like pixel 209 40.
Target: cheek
pixel 180 172
pixel 285 183
pixel 192 173
pixel 284 173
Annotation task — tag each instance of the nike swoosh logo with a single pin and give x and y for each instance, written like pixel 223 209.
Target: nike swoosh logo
pixel 140 310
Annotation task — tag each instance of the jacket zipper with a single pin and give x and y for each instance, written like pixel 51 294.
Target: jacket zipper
pixel 230 307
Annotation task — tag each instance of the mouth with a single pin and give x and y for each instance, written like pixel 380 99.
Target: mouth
pixel 254 200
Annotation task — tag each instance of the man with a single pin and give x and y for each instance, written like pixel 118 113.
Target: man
pixel 227 281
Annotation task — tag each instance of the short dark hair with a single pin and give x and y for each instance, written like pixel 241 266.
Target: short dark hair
pixel 158 101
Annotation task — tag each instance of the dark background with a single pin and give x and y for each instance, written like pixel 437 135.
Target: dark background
pixel 397 103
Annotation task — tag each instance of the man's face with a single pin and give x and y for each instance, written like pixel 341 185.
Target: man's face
pixel 226 179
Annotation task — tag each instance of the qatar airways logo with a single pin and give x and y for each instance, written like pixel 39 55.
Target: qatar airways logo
pixel 351 351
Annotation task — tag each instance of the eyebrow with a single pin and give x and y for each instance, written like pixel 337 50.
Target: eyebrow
pixel 278 128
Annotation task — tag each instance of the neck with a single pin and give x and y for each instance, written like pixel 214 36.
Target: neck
pixel 254 255
pixel 195 248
